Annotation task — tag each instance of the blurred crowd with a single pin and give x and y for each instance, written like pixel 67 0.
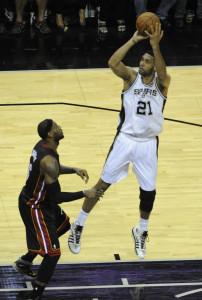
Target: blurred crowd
pixel 48 15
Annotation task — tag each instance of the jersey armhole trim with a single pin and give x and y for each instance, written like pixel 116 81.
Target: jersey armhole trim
pixel 123 92
pixel 164 98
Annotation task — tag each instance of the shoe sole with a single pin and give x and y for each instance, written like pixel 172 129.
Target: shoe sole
pixel 15 267
pixel 72 251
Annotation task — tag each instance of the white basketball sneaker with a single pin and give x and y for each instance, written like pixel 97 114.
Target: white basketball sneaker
pixel 140 238
pixel 74 240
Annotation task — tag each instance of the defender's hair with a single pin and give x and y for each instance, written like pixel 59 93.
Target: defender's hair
pixel 44 127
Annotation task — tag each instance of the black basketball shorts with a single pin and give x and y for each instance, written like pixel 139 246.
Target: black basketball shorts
pixel 43 228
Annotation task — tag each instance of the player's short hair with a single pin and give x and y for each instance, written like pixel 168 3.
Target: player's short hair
pixel 44 127
pixel 150 52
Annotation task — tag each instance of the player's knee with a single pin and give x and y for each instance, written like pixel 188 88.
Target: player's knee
pixel 147 200
pixel 54 259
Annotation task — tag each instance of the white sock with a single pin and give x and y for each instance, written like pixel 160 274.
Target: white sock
pixel 82 217
pixel 143 224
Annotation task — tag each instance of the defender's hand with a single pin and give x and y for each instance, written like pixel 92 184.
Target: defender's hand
pixel 94 193
pixel 82 173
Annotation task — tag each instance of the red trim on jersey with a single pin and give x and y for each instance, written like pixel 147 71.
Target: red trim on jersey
pixel 39 193
pixel 46 146
pixel 38 189
pixel 43 236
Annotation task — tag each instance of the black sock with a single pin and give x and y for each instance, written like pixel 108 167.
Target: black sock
pixel 38 290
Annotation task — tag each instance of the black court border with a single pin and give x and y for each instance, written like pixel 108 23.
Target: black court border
pixel 88 106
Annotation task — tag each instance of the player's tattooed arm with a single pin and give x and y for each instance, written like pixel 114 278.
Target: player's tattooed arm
pixel 128 74
pixel 119 68
pixel 163 78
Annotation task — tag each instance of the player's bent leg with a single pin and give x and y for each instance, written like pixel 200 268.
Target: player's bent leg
pixel 146 204
pixel 147 200
pixel 89 204
pixel 62 221
pixel 74 240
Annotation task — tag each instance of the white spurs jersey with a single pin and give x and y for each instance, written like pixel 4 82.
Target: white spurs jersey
pixel 142 109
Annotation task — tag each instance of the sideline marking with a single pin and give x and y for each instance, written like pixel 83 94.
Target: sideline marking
pixel 188 293
pixel 125 281
pixel 111 286
pixel 29 285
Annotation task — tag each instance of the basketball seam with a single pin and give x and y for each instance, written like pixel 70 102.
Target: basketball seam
pixel 150 18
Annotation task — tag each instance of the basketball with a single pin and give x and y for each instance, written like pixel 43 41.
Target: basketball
pixel 145 20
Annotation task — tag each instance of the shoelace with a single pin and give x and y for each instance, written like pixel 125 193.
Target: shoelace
pixel 142 239
pixel 76 235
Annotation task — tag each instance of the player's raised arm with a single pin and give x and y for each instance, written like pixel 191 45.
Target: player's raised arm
pixel 163 78
pixel 116 64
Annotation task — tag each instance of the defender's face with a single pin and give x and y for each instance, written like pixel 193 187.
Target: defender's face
pixel 57 132
pixel 146 66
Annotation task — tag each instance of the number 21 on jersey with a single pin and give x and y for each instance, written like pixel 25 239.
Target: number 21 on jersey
pixel 142 108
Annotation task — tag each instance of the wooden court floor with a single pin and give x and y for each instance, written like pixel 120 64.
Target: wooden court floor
pixel 176 221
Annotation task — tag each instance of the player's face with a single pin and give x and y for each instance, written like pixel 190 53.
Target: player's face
pixel 146 66
pixel 57 131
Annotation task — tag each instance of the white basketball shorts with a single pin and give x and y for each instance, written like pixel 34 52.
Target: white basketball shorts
pixel 142 155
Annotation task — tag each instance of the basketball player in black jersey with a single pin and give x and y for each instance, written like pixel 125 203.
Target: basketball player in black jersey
pixel 43 218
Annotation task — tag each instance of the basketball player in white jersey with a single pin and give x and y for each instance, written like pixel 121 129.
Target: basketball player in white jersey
pixel 140 122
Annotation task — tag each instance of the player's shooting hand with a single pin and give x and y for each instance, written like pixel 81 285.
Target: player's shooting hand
pixel 94 193
pixel 139 37
pixel 155 35
pixel 82 173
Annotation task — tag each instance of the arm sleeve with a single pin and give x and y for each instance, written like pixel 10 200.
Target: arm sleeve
pixel 54 194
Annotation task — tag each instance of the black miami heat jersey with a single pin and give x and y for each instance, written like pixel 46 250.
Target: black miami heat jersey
pixel 34 192
pixel 142 109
